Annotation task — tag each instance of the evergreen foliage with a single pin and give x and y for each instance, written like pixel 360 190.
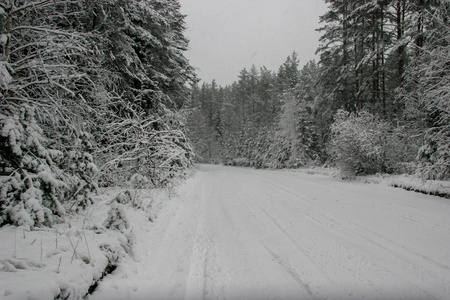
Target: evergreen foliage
pixel 89 91
pixel 426 93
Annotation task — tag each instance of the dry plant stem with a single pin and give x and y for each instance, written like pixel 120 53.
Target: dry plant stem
pixel 15 244
pixel 75 254
pixel 41 247
pixel 74 248
pixel 87 245
pixel 84 233
pixel 59 264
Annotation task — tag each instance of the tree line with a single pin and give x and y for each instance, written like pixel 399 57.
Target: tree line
pixel 377 100
pixel 91 94
pixel 95 93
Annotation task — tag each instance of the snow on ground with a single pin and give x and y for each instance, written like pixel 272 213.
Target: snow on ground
pixel 407 182
pixel 237 233
pixel 65 261
pixel 411 183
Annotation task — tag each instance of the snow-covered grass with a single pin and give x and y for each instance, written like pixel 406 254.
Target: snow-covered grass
pixel 408 182
pixel 413 183
pixel 66 261
pixel 333 172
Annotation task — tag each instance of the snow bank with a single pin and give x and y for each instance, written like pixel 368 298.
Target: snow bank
pixel 408 182
pixel 429 187
pixel 66 262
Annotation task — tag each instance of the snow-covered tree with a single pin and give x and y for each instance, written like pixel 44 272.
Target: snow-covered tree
pixel 33 190
pixel 43 78
pixel 136 147
pixel 426 92
pixel 149 76
pixel 76 76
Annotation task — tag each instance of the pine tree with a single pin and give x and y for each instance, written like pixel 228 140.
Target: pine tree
pixel 144 44
pixel 87 83
pixel 426 92
pixel 45 154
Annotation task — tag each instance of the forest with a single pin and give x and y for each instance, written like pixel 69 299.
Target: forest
pixel 95 93
pixel 377 101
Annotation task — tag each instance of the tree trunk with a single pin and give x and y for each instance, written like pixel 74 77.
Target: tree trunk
pixel 419 37
pixel 374 61
pixel 381 69
pixel 358 98
pixel 345 84
pixel 8 32
pixel 400 18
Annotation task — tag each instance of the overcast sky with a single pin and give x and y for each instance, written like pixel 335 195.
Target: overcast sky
pixel 229 35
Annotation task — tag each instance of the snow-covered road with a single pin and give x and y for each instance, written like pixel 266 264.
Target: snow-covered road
pixel 237 233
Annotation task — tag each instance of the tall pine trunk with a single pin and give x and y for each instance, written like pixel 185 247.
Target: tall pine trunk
pixel 400 20
pixel 381 53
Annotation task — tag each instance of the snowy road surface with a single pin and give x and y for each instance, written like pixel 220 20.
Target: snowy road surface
pixel 236 233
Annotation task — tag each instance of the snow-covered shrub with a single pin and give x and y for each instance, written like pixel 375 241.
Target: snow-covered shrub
pixel 137 181
pixel 113 253
pixel 240 162
pixel 13 264
pixel 32 190
pixel 123 197
pixel 132 196
pixel 434 155
pixel 117 218
pixel 81 172
pixel 364 144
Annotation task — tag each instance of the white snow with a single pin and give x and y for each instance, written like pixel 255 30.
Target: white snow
pixel 5 77
pixel 67 259
pixel 236 233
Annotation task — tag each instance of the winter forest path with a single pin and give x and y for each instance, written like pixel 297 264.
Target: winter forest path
pixel 237 233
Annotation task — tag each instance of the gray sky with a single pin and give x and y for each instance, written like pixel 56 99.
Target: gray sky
pixel 229 35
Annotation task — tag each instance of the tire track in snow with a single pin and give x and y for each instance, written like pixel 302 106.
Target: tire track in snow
pixel 167 267
pixel 297 245
pixel 372 232
pixel 377 250
pixel 397 245
pixel 244 235
pixel 310 269
pixel 196 279
pixel 205 276
pixel 367 242
pixel 293 273
pixel 255 263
